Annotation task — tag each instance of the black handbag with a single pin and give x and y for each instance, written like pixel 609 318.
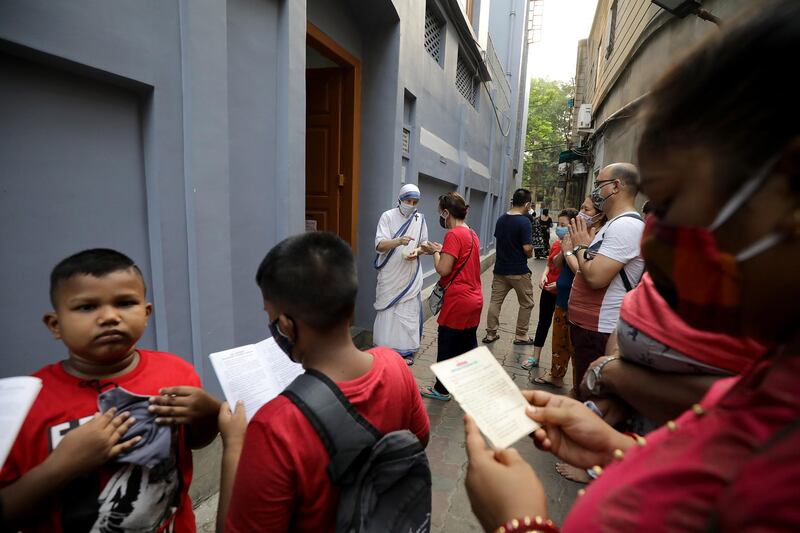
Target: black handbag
pixel 436 298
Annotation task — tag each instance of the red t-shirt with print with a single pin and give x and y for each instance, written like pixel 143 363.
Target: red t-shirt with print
pixel 463 300
pixel 282 482
pixel 120 495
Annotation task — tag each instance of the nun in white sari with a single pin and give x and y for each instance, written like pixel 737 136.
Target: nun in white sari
pixel 401 231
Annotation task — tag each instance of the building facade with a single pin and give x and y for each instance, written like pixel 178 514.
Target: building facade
pixel 631 44
pixel 194 135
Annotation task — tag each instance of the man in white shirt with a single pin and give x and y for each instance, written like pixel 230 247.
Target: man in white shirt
pixel 610 264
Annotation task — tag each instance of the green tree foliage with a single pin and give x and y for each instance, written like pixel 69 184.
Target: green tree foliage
pixel 549 124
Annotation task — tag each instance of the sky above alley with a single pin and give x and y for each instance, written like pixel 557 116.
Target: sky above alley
pixel 564 23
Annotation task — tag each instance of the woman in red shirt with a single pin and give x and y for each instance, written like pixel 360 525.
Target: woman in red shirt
pixel 458 262
pixel 732 462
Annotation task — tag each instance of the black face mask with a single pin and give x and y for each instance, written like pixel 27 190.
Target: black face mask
pixel 443 221
pixel 283 342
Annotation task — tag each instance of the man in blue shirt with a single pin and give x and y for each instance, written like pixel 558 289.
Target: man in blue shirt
pixel 514 248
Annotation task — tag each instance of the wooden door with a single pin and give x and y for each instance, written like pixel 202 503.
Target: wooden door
pixel 324 178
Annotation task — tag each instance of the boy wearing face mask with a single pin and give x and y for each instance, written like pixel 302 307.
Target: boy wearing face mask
pixel 609 263
pixel 398 239
pixel 309 285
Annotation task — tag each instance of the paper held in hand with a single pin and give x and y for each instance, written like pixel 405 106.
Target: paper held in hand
pixel 255 374
pixel 16 399
pixel 488 394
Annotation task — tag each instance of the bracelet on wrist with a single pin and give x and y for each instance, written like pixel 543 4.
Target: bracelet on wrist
pixel 528 524
pixel 641 441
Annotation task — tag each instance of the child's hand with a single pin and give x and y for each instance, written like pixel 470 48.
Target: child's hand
pixel 91 445
pixel 183 405
pixel 232 425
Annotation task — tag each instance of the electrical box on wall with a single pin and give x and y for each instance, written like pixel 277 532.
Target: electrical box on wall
pixel 585 117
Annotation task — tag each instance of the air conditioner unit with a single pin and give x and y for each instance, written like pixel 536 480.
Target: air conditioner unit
pixel 585 117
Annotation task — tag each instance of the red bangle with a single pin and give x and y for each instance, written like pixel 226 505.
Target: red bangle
pixel 528 524
pixel 641 441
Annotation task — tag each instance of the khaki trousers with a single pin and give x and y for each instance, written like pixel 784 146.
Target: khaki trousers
pixel 501 285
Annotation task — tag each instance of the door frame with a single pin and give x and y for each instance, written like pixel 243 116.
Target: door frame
pixel 351 125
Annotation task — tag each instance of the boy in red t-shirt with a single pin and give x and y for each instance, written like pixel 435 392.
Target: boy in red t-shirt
pixel 309 285
pixel 70 470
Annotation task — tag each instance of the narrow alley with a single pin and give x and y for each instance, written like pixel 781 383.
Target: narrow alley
pixel 451 508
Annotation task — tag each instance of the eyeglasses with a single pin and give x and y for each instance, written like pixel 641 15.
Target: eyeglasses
pixel 603 183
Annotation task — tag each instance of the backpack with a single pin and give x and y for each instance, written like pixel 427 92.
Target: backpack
pixel 384 480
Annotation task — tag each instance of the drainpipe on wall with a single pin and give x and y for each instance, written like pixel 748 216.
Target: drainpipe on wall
pixel 462 156
pixel 511 16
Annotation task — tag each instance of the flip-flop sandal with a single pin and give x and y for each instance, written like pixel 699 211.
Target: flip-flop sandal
pixel 409 360
pixel 541 381
pixel 487 340
pixel 430 392
pixel 528 342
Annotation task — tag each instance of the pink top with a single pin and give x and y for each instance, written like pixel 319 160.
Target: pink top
pixel 735 467
pixel 645 309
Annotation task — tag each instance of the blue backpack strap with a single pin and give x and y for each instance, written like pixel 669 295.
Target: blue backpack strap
pixel 419 264
pixel 346 435
pixel 380 264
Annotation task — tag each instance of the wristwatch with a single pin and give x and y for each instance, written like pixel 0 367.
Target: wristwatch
pixel 595 375
pixel 568 253
pixel 579 248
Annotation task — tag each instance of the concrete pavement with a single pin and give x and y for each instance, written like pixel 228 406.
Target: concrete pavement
pixel 451 508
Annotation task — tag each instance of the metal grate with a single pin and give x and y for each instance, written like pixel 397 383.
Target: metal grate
pixel 465 81
pixel 406 140
pixel 434 31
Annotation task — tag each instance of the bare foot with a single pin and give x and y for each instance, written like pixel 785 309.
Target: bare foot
pixel 547 379
pixel 573 473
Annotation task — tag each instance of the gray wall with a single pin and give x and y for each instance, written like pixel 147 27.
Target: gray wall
pixel 656 42
pixel 174 130
pixel 168 93
pixel 84 188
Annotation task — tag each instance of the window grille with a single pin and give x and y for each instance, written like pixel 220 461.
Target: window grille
pixel 466 81
pixel 434 34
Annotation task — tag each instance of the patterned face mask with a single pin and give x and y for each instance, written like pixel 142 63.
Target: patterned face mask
pixel 701 282
pixel 589 219
pixel 598 199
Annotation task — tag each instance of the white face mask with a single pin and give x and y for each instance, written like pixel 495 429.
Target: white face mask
pixel 406 210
